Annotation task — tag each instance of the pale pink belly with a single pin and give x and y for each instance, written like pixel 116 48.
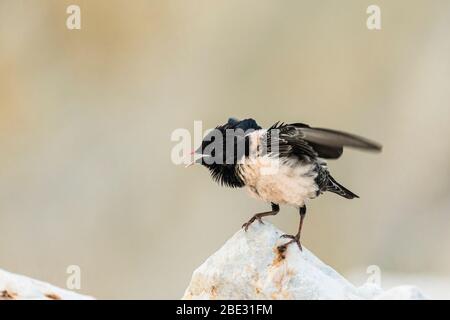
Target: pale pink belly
pixel 286 185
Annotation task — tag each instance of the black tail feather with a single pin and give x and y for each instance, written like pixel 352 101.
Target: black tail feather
pixel 335 187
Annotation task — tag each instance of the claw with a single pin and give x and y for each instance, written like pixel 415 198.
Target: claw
pixel 249 222
pixel 289 236
pixel 294 239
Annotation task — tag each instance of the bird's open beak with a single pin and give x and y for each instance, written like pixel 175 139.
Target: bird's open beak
pixel 190 164
pixel 197 159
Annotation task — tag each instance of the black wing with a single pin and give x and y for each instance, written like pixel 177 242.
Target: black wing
pixel 287 141
pixel 302 140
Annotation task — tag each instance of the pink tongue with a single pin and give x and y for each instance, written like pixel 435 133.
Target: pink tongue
pixel 192 152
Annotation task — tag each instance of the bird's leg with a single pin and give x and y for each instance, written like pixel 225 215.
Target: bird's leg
pixel 258 216
pixel 296 238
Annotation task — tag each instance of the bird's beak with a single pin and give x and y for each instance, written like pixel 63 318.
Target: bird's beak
pixel 190 164
pixel 195 161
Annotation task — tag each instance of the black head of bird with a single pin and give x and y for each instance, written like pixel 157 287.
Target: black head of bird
pixel 284 164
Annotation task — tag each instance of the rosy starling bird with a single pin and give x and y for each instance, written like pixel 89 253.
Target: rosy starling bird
pixel 282 165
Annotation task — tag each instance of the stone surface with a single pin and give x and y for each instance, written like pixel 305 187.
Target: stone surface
pixel 249 266
pixel 402 293
pixel 17 287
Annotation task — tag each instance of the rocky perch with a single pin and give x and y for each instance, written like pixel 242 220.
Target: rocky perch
pixel 250 266
pixel 16 287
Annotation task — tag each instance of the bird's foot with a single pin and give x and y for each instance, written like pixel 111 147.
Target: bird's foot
pixel 294 239
pixel 249 222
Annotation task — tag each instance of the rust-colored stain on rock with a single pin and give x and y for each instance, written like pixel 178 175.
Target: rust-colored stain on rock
pixel 7 295
pixel 280 255
pixel 53 296
pixel 213 292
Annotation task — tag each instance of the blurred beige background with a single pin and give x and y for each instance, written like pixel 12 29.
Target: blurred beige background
pixel 86 117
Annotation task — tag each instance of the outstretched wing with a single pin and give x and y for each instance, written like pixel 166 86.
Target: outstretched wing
pixel 302 140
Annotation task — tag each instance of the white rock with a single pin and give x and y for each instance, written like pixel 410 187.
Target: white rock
pixel 17 287
pixel 249 266
pixel 402 293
